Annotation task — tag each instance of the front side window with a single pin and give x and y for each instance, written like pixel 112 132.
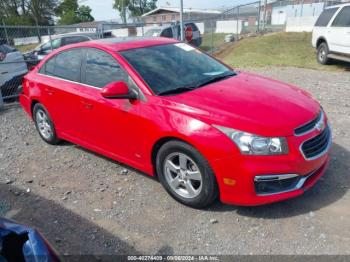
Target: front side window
pixel 343 18
pixel 102 69
pixel 325 17
pixel 65 65
pixel 174 66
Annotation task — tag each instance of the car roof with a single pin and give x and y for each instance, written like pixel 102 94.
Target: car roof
pixel 126 43
pixel 340 5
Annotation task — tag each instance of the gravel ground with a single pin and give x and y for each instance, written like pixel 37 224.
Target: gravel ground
pixel 86 204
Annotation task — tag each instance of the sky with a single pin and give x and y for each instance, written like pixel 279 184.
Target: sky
pixel 102 9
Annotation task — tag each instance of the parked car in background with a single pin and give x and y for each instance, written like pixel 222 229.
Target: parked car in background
pixel 35 56
pixel 192 33
pixel 12 70
pixel 172 111
pixel 331 34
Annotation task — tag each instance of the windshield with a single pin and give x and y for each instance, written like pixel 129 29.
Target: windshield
pixel 175 66
pixel 153 32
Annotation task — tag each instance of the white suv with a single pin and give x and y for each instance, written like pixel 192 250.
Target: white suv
pixel 331 34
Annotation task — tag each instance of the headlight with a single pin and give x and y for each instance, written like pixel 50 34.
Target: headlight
pixel 251 144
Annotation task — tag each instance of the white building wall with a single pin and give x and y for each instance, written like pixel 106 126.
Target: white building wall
pixel 301 24
pixel 280 14
pixel 229 26
pixel 200 27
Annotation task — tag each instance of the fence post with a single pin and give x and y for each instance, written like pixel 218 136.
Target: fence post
pixel 48 32
pixel 237 22
pixel 259 15
pixel 1 100
pixel 6 35
pixel 264 24
pixel 212 36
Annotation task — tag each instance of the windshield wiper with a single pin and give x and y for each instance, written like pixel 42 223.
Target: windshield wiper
pixel 197 85
pixel 215 79
pixel 177 90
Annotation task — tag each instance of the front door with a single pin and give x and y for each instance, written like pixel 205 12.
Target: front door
pixel 110 126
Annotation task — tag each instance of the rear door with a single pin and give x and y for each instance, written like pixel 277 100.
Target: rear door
pixel 339 36
pixel 58 80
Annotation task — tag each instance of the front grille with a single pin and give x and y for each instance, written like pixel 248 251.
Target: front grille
pixel 308 126
pixel 317 145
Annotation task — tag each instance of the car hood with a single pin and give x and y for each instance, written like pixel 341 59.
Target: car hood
pixel 249 103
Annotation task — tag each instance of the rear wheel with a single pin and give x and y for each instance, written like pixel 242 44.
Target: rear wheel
pixel 322 54
pixel 186 174
pixel 44 124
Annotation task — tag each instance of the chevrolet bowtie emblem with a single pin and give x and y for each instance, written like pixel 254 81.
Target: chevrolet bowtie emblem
pixel 319 126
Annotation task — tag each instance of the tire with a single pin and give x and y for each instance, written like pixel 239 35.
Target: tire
pixel 322 53
pixel 190 180
pixel 44 125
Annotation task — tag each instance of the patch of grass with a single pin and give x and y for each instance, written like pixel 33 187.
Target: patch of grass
pixel 278 49
pixel 25 48
pixel 218 40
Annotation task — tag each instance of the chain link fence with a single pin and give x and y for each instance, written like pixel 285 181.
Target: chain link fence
pixel 22 47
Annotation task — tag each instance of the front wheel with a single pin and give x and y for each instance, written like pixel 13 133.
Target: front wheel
pixel 186 174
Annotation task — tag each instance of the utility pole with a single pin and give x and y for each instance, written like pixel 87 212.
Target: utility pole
pixel 182 20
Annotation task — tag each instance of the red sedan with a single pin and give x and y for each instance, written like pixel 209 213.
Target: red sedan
pixel 172 111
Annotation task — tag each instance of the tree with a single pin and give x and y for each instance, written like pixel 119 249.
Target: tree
pixel 70 12
pixel 27 12
pixel 84 14
pixel 122 7
pixel 140 7
pixel 133 7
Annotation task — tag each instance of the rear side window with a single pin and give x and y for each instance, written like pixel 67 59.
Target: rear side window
pixel 325 17
pixel 343 18
pixel 65 65
pixel 74 39
pixel 102 69
pixel 50 66
pixel 167 33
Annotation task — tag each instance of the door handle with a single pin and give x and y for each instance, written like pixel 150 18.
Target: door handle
pixel 49 91
pixel 87 105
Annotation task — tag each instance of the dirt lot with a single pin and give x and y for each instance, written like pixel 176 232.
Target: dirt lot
pixel 86 204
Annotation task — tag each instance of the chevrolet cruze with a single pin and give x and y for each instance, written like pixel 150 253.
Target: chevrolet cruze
pixel 172 111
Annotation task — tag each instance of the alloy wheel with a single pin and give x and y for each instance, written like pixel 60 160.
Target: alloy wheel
pixel 43 124
pixel 183 175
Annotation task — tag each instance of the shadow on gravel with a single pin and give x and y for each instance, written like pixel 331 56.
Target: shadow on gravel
pixel 67 232
pixel 8 106
pixel 331 187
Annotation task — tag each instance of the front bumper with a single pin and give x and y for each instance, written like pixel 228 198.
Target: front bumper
pixel 237 175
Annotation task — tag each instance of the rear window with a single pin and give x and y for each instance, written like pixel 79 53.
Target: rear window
pixel 74 39
pixel 325 17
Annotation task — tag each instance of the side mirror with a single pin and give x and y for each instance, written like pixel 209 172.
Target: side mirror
pixel 118 90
